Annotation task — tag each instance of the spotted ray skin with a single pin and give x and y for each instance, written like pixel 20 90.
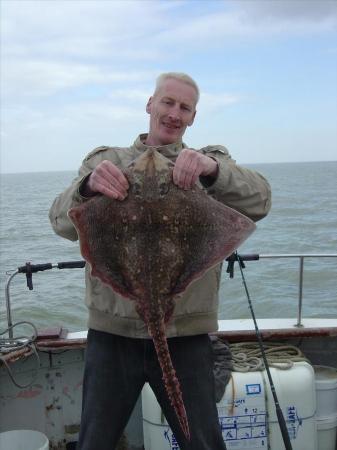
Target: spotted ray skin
pixel 152 245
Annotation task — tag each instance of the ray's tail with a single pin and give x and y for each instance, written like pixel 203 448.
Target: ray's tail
pixel 170 379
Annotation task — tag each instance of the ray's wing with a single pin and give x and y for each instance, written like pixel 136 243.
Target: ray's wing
pixel 204 232
pixel 108 232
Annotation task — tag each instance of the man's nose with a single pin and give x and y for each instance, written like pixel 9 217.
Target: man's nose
pixel 174 113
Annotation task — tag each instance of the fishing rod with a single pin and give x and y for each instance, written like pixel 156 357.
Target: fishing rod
pixel 283 427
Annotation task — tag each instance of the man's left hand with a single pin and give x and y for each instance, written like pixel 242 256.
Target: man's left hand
pixel 190 165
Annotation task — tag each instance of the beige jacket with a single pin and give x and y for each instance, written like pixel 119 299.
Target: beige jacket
pixel 196 310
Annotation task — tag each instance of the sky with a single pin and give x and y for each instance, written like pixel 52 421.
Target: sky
pixel 77 74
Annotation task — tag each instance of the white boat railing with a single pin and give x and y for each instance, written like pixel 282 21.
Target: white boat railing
pixel 301 257
pixel 29 269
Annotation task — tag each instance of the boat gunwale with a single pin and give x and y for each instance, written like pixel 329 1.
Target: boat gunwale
pixel 233 330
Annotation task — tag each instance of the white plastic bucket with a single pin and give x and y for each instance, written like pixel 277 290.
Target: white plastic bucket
pixel 326 391
pixel 23 440
pixel 327 432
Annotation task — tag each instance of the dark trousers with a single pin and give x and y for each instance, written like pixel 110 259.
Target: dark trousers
pixel 115 371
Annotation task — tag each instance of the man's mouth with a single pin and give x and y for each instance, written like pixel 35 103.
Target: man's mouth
pixel 171 126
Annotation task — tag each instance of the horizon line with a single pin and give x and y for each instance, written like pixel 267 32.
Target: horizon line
pixel 241 164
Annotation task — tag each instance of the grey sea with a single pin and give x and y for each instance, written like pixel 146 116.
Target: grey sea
pixel 303 219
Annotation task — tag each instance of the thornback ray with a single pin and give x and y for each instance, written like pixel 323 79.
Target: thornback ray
pixel 151 246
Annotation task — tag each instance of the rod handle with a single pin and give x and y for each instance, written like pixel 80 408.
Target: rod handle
pixel 71 265
pixel 32 268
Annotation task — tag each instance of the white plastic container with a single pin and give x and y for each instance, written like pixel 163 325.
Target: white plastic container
pixel 326 391
pixel 247 413
pixel 326 413
pixel 254 404
pixel 327 433
pixel 23 440
pixel 242 412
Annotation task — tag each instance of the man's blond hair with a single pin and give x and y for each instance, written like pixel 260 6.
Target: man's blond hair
pixel 177 76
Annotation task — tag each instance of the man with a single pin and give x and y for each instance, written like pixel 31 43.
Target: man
pixel 120 357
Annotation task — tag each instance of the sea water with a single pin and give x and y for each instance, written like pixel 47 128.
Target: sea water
pixel 303 219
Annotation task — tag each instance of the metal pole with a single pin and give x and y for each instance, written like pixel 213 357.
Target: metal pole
pixel 8 305
pixel 300 293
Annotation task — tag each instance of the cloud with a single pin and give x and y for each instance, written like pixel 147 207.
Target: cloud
pixel 253 19
pixel 78 17
pixel 133 95
pixel 53 44
pixel 139 30
pixel 78 28
pixel 315 12
pixel 82 71
pixel 44 77
pixel 216 102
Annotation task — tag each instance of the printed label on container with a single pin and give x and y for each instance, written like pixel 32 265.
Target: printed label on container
pixel 246 431
pixel 252 389
pixel 169 436
pixel 243 419
pixel 293 420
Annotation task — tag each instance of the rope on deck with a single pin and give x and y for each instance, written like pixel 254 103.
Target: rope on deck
pixel 247 356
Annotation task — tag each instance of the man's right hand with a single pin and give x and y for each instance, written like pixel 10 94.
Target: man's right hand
pixel 106 179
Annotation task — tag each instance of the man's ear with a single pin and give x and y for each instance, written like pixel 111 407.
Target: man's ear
pixel 148 106
pixel 192 120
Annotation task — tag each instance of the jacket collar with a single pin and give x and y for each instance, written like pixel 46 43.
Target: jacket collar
pixel 171 151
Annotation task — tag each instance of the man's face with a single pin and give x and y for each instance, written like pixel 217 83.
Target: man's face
pixel 172 110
